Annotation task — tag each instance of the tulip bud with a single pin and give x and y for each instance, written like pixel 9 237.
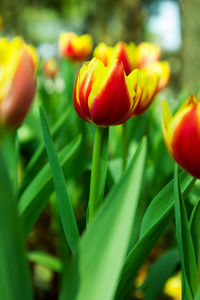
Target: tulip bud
pixel 162 69
pixel 148 86
pixel 182 134
pixel 126 53
pixel 17 80
pixel 50 68
pixel 103 95
pixel 74 47
pixel 148 53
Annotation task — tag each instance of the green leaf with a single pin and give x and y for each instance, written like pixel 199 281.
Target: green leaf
pixel 37 159
pixel 187 255
pixel 195 231
pixel 36 195
pixel 155 221
pixel 197 296
pixel 66 212
pixel 95 269
pixel 161 270
pixel 14 273
pixel 49 261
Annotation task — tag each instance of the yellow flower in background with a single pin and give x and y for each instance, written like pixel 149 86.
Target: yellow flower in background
pixel 75 47
pixel 148 85
pixel 162 69
pixel 173 287
pixel 126 53
pixel 182 134
pixel 147 53
pixel 18 63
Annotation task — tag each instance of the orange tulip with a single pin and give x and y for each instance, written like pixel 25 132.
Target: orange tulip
pixel 105 96
pixel 50 68
pixel 17 80
pixel 182 134
pixel 74 47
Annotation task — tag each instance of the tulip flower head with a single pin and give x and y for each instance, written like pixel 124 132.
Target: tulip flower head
pixel 74 47
pixel 105 96
pixel 148 53
pixel 126 53
pixel 148 85
pixel 182 134
pixel 18 63
pixel 162 69
pixel 50 68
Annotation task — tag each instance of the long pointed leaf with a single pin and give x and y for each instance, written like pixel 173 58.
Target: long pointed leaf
pixel 187 255
pixel 66 211
pixel 95 269
pixel 151 230
pixel 36 195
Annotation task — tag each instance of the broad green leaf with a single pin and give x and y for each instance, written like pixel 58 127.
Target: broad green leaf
pixel 36 195
pixel 156 220
pixel 14 273
pixel 161 270
pixel 49 261
pixel 37 159
pixel 197 296
pixel 66 212
pixel 95 269
pixel 195 231
pixel 187 255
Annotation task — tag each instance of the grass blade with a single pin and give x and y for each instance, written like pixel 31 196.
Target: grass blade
pixel 66 211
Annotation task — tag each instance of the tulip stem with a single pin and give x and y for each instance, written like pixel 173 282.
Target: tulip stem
pixel 99 170
pixel 124 147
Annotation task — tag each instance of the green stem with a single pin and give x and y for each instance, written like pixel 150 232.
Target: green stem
pixel 124 147
pixel 99 170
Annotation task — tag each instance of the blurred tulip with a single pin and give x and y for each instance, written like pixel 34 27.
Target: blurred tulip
pixel 162 69
pixel 18 63
pixel 147 53
pixel 148 85
pixel 50 68
pixel 182 134
pixel 126 53
pixel 74 47
pixel 173 287
pixel 105 96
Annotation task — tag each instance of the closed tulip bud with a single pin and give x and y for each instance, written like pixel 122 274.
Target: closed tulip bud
pixel 74 47
pixel 105 96
pixel 147 54
pixel 17 80
pixel 182 134
pixel 162 69
pixel 50 68
pixel 126 53
pixel 148 86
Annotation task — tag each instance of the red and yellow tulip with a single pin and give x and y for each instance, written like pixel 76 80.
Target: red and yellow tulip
pixel 126 53
pixel 147 54
pixel 18 63
pixel 50 68
pixel 182 134
pixel 105 96
pixel 162 69
pixel 74 47
pixel 148 85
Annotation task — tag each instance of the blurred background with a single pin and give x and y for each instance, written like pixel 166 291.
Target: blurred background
pixel 173 24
